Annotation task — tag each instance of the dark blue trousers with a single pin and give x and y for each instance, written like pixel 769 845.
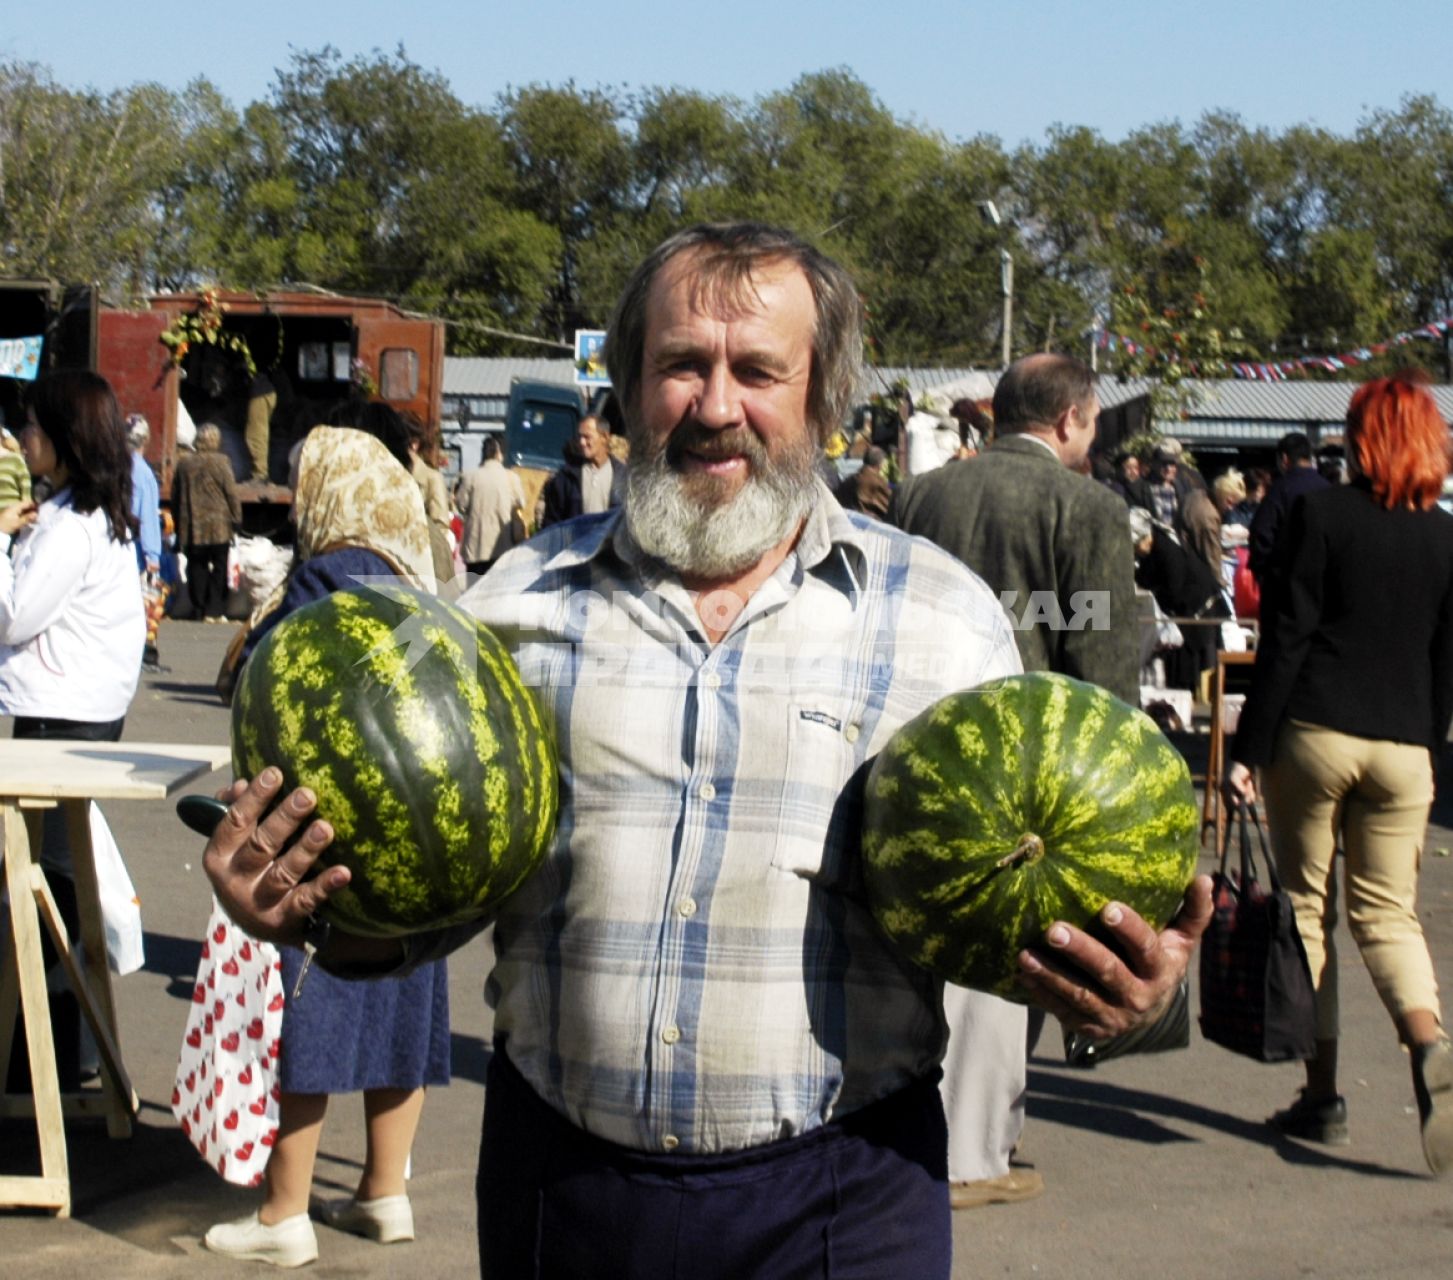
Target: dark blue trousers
pixel 864 1197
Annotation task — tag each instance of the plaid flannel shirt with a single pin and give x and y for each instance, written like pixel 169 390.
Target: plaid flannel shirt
pixel 694 967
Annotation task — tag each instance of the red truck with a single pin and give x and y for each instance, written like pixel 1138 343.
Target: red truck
pixel 187 349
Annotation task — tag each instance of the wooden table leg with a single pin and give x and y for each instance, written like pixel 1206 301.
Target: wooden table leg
pixel 121 1102
pixel 52 1189
pixel 9 996
pixel 1212 814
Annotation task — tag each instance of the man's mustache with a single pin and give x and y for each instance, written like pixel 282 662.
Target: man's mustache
pixel 713 443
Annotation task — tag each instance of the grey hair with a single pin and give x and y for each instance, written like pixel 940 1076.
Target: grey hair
pixel 209 437
pixel 729 253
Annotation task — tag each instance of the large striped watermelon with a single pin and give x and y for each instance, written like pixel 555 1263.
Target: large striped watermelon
pixel 1002 809
pixel 429 756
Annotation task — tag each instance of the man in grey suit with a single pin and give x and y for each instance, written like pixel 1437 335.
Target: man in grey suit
pixel 1056 547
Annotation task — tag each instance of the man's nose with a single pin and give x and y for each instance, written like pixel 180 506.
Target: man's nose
pixel 720 404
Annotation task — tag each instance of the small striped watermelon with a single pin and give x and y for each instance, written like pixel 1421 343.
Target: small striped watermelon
pixel 428 754
pixel 1001 809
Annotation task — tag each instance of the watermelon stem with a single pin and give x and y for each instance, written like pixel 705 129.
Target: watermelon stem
pixel 1030 849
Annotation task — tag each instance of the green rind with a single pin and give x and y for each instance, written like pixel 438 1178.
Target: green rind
pixel 957 787
pixel 429 755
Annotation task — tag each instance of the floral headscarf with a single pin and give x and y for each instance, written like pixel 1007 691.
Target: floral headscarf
pixel 352 492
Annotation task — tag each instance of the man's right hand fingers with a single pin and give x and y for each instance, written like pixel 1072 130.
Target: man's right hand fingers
pixel 251 839
pixel 275 832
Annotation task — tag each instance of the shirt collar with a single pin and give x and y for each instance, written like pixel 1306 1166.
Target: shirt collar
pixel 830 545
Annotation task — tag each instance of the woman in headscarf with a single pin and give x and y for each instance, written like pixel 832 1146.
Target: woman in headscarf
pixel 359 517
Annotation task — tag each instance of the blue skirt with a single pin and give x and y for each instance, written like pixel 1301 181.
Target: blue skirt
pixel 340 1036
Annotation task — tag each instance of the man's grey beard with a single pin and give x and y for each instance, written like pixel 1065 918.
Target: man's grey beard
pixel 686 522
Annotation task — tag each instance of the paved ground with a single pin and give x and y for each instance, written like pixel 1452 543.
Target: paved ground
pixel 1155 1166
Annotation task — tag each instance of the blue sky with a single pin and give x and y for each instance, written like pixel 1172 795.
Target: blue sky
pixel 962 67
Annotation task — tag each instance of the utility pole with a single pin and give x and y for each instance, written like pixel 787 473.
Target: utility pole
pixel 1006 283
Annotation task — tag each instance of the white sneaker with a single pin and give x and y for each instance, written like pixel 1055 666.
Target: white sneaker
pixel 289 1243
pixel 388 1220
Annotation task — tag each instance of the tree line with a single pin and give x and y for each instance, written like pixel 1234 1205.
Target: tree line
pixel 369 175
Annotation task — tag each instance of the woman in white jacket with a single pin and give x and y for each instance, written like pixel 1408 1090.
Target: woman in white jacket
pixel 72 625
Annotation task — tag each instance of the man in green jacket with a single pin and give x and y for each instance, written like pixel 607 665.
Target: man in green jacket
pixel 1054 544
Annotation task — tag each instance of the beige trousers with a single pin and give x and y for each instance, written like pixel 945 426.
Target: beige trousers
pixel 1375 795
pixel 259 431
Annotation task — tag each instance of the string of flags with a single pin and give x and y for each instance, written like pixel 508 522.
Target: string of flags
pixel 1281 370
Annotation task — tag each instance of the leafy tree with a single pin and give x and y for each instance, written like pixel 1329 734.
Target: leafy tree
pixel 78 171
pixel 572 166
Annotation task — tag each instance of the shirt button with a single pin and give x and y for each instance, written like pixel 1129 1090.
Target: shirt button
pixel 711 680
pixel 706 791
pixel 670 1142
pixel 686 907
pixel 671 1035
pixel 851 733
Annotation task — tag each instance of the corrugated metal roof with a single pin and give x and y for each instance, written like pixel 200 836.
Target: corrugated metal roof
pixel 491 375
pixel 1234 400
pixel 878 378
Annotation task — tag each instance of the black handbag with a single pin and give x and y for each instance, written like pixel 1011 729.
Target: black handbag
pixel 1256 985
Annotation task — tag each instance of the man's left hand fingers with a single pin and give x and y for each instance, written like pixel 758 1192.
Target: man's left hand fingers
pixel 1103 990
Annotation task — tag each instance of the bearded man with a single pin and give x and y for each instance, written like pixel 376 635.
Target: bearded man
pixel 708 1060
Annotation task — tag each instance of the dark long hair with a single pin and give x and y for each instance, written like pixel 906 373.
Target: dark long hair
pixel 77 410
pixel 383 422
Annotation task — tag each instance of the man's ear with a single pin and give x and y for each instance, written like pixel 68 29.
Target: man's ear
pixel 1063 423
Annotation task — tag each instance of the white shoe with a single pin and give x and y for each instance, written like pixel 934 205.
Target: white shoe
pixel 289 1243
pixel 388 1220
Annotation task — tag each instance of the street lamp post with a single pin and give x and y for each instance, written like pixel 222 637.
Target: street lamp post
pixel 1006 285
pixel 990 213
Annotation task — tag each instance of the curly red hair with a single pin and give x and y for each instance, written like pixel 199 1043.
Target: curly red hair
pixel 1399 441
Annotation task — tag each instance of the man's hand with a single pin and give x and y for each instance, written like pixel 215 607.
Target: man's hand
pixel 1092 989
pixel 258 877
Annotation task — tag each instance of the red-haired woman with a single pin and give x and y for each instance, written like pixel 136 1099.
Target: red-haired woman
pixel 1350 701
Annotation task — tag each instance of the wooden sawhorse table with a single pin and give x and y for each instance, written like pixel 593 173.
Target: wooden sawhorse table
pixel 36 775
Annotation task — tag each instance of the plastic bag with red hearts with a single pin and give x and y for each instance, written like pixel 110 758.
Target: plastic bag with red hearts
pixel 225 1097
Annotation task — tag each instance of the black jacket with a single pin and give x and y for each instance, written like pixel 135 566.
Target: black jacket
pixel 563 493
pixel 1361 639
pixel 1272 514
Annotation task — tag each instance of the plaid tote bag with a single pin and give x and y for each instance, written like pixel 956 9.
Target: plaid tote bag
pixel 1256 986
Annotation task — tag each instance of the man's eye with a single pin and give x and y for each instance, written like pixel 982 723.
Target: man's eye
pixel 755 375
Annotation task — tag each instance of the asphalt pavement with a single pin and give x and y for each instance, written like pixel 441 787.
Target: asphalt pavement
pixel 1154 1166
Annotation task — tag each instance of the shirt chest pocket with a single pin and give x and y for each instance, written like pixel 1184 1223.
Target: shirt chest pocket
pixel 820 798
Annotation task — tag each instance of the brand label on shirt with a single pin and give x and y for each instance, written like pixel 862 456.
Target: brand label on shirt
pixel 822 718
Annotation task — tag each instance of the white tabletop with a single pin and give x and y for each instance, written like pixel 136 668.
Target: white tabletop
pixel 52 769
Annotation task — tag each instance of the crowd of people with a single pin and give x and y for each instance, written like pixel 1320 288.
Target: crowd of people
pixel 694 1012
